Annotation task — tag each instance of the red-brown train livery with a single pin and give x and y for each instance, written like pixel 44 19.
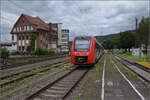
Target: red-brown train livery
pixel 85 50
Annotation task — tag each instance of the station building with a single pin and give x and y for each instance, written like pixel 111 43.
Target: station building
pixel 48 35
pixel 65 41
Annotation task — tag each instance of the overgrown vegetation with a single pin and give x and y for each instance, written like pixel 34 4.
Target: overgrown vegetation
pixel 32 39
pixel 42 51
pixel 125 40
pixel 4 54
pixel 143 32
pixel 38 50
pixel 137 58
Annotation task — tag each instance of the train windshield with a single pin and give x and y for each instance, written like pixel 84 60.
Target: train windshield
pixel 82 45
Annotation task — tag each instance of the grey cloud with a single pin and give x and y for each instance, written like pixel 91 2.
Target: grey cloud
pixel 94 18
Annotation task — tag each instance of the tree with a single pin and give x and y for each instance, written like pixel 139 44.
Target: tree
pixel 32 38
pixel 143 32
pixel 4 54
pixel 127 40
pixel 108 44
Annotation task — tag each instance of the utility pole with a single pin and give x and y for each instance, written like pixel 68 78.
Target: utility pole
pixel 148 51
pixel 136 40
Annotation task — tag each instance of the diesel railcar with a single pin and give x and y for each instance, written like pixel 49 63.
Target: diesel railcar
pixel 85 50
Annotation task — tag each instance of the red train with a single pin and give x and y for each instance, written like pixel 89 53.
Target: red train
pixel 85 50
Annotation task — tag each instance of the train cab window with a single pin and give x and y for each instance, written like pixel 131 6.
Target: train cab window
pixel 82 45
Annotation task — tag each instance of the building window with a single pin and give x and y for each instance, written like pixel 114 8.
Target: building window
pixel 22 37
pixel 19 37
pixel 19 28
pixel 14 29
pixel 27 27
pixel 22 47
pixel 30 28
pixel 12 37
pixel 24 27
pixel 19 48
pixel 27 37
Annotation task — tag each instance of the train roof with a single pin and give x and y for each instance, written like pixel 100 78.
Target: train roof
pixel 89 37
pixel 83 37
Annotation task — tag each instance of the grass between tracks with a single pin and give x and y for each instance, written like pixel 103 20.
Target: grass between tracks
pixel 91 84
pixel 140 60
pixel 29 59
pixel 29 83
pixel 12 76
pixel 131 75
pixel 136 58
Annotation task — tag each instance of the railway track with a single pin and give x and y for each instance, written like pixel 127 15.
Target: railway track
pixel 141 72
pixel 137 65
pixel 17 77
pixel 26 63
pixel 29 69
pixel 61 87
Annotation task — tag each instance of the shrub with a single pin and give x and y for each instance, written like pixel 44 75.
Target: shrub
pixel 32 52
pixel 43 51
pixel 4 53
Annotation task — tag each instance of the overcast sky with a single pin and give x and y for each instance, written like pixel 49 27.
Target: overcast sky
pixel 80 17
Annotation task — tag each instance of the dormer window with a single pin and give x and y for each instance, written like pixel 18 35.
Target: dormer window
pixel 19 28
pixel 31 28
pixel 27 27
pixel 14 29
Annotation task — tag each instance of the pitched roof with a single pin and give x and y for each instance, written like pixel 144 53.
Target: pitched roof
pixel 40 24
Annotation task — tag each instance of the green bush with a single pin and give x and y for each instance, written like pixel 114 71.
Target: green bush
pixel 43 51
pixel 4 53
pixel 32 52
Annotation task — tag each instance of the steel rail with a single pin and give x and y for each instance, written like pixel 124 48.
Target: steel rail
pixel 31 74
pixel 66 93
pixel 124 62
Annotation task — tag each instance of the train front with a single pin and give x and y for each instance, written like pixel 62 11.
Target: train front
pixel 82 52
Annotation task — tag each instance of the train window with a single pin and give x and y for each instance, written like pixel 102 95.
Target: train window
pixel 82 45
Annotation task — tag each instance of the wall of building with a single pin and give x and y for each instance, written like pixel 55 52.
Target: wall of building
pixel 65 41
pixel 50 37
pixel 59 33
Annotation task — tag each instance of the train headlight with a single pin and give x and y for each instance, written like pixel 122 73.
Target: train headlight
pixel 75 53
pixel 87 53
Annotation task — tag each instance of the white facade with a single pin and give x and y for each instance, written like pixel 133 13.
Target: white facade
pixel 19 43
pixel 59 33
pixel 65 40
pixel 15 38
pixel 23 42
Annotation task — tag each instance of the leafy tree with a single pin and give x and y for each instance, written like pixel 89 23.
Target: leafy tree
pixel 143 32
pixel 108 44
pixel 43 51
pixel 4 54
pixel 32 38
pixel 116 42
pixel 127 40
